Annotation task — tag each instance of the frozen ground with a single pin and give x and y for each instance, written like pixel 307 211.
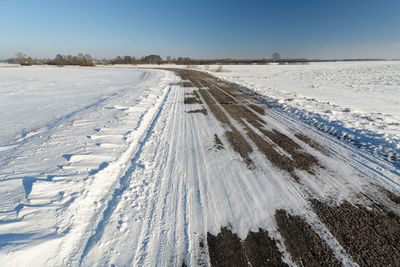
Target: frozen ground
pixel 356 101
pixel 144 169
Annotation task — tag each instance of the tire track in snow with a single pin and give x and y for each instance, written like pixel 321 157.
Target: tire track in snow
pixel 162 181
pixel 123 182
pixel 166 237
pixel 382 175
pixel 88 215
pixel 132 216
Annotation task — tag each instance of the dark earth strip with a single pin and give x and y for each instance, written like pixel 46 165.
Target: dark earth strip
pixel 226 249
pixel 261 250
pixel 203 111
pixel 242 113
pixel 237 141
pixel 312 143
pixel 303 244
pixel 258 249
pixel 191 100
pixel 371 236
pixel 218 143
pixel 257 108
pixel 394 198
pixel 267 141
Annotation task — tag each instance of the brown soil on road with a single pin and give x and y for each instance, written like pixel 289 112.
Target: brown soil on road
pixel 304 245
pixel 218 143
pixel 258 249
pixel 203 111
pixel 234 109
pixel 370 236
pixel 312 143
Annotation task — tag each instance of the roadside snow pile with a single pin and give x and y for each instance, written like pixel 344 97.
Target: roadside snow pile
pixel 358 102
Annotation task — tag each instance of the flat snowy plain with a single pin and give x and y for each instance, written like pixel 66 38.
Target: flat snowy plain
pixel 125 166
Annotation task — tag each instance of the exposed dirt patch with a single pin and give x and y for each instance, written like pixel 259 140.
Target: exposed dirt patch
pixel 196 94
pixel 278 160
pixel 218 143
pixel 258 249
pixel 237 141
pixel 203 111
pixel 222 98
pixel 187 84
pixel 240 145
pixel 371 237
pixel 226 249
pixel 303 244
pixel 226 87
pixel 3 67
pixel 258 108
pixel 240 113
pixel 224 101
pixel 175 84
pixel 192 100
pixel 215 109
pixel 312 143
pixel 301 159
pixel 261 250
pixel 393 197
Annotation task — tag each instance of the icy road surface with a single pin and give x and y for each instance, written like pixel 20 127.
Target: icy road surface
pixel 164 168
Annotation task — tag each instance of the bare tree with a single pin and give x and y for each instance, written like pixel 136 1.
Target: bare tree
pixel 60 60
pixel 21 57
pixel 276 57
pixel 28 62
pixel 127 59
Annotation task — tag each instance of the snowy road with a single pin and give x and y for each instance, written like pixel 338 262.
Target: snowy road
pixel 194 172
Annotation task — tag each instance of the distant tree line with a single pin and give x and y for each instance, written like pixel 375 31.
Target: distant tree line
pixel 21 58
pixel 80 60
pixel 87 60
pixel 59 60
pixel 151 59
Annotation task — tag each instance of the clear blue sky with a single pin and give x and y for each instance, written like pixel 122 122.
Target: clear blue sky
pixel 201 28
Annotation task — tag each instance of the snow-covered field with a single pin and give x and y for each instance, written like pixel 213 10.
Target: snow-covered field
pixel 356 101
pixel 34 97
pixel 61 126
pixel 109 166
